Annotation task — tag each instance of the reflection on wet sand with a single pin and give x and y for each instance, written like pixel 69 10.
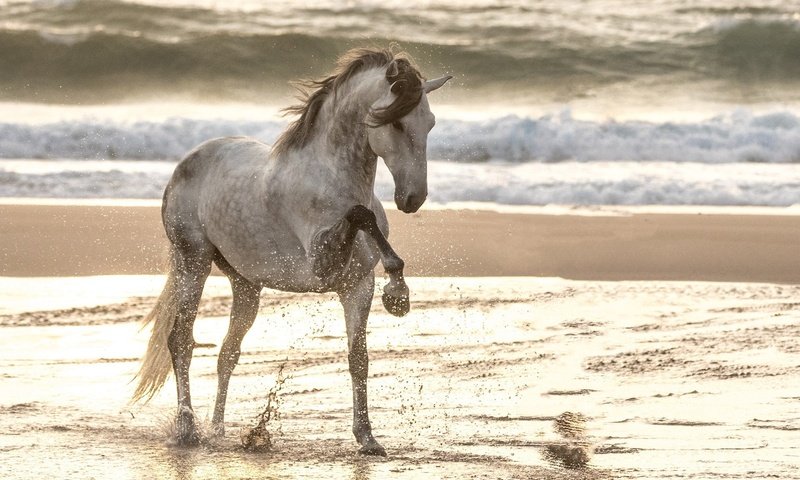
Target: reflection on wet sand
pixel 486 378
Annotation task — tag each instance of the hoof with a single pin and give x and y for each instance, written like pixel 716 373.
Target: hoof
pixel 395 297
pixel 218 430
pixel 372 448
pixel 185 429
pixel 397 306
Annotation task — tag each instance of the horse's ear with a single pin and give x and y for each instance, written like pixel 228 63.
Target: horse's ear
pixel 432 85
pixel 392 70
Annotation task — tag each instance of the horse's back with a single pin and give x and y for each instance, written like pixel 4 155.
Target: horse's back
pixel 210 170
pixel 220 154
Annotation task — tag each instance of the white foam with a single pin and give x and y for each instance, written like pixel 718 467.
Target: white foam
pixel 99 139
pixel 740 136
pixel 565 183
pixel 741 158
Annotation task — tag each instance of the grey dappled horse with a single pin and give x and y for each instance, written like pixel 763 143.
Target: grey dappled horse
pixel 300 217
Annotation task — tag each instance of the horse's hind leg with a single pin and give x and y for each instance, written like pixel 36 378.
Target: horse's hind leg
pixel 243 314
pixel 192 266
pixel 356 301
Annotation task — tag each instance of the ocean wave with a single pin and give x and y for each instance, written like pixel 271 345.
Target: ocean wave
pixel 102 66
pixel 737 137
pixel 617 183
pixel 83 184
pixel 569 183
pixel 761 48
pixel 91 51
pixel 741 136
pixel 102 139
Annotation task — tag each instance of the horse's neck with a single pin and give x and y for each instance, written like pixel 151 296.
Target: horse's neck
pixel 341 141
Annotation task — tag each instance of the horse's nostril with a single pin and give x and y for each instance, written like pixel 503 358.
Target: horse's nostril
pixel 413 202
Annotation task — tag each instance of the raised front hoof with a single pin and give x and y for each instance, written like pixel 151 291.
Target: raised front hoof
pixel 397 306
pixel 372 448
pixel 185 430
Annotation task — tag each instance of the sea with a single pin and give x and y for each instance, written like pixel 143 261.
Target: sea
pixel 594 102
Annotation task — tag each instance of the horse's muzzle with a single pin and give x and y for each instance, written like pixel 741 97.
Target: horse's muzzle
pixel 409 203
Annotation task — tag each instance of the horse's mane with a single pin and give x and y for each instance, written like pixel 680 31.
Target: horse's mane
pixel 406 84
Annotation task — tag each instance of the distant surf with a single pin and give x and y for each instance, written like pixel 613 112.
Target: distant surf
pixel 528 184
pixel 85 51
pixel 740 136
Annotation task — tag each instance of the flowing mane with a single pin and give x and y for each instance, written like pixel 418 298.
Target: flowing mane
pixel 406 83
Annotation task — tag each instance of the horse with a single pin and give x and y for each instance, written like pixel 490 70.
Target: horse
pixel 301 216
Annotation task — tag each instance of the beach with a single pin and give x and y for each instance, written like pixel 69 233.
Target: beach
pixel 665 342
pixel 704 244
pixel 604 279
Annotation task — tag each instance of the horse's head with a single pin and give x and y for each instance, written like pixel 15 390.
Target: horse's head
pixel 399 125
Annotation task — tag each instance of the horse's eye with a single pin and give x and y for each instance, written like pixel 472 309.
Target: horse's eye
pixel 397 125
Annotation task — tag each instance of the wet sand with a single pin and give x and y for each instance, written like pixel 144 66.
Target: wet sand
pixel 672 379
pixel 490 375
pixel 661 380
pixel 67 240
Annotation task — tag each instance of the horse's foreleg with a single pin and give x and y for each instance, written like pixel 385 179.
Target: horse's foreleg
pixel 395 293
pixel 332 248
pixel 191 274
pixel 356 301
pixel 243 314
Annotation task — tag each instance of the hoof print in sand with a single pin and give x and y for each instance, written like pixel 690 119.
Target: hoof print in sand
pixel 574 450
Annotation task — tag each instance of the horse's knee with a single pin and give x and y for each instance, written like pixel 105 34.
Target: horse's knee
pixel 361 217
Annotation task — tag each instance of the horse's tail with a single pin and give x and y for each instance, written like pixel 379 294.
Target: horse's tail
pixel 157 362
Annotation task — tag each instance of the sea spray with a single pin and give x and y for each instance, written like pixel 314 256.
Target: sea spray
pixel 168 424
pixel 258 437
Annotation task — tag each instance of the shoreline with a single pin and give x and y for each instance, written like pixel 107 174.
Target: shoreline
pixel 60 239
pixel 551 209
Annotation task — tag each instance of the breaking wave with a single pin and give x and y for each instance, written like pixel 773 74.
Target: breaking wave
pixel 736 159
pixel 741 136
pixel 567 183
pixel 95 51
